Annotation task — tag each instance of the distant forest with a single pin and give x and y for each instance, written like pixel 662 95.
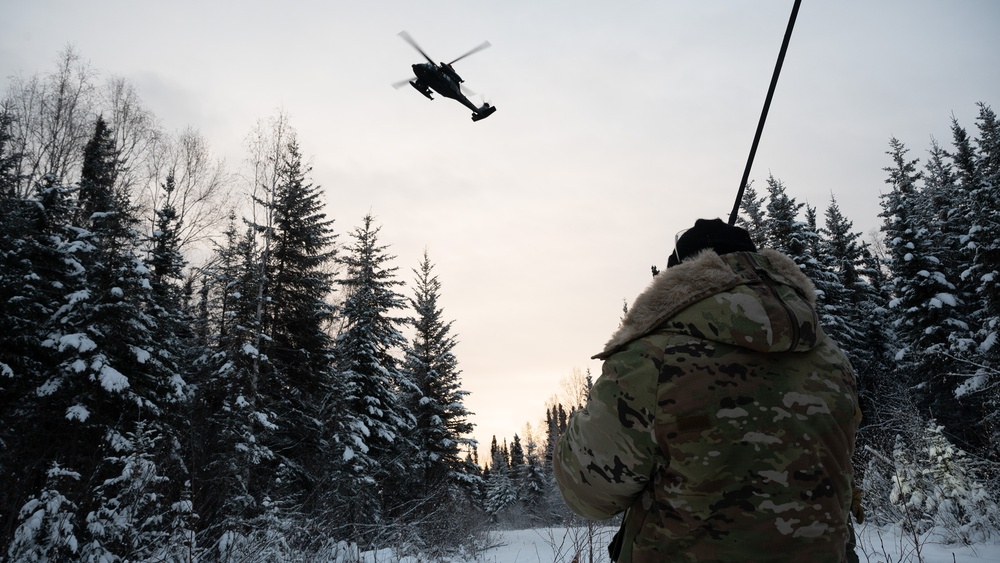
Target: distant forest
pixel 288 395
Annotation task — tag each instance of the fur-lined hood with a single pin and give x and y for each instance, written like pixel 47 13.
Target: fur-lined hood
pixel 707 274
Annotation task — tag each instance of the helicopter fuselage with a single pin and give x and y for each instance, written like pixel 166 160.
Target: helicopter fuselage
pixel 443 80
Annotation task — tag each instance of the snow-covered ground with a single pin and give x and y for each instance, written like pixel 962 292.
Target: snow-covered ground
pixel 883 545
pixel 563 545
pixel 890 544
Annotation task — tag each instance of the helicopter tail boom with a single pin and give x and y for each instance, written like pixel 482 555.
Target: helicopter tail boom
pixel 483 112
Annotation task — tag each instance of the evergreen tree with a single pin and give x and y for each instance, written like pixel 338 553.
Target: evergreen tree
pixel 983 276
pixel 442 425
pixel 864 335
pixel 49 528
pixel 784 232
pixel 985 269
pixel 551 437
pixel 165 260
pixel 501 491
pixel 842 252
pixel 536 485
pixel 106 372
pixel 296 319
pixel 925 301
pixel 516 459
pixel 754 215
pixel 129 524
pixel 968 176
pixel 441 488
pixel 831 294
pixel 10 156
pixel 230 456
pixel 23 292
pixel 102 208
pixel 947 210
pixel 369 420
pixel 33 271
pixel 937 484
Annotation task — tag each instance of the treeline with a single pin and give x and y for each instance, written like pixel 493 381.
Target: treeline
pixel 519 486
pixel 264 404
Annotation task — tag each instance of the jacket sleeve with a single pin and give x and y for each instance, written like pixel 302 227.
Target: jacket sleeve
pixel 608 452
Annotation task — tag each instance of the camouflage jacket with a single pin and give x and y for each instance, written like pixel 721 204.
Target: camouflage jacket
pixel 723 420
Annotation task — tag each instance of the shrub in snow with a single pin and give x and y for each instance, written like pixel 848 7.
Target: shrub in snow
pixel 938 485
pixel 875 491
pixel 47 531
pixel 909 488
pixel 501 495
pixel 127 521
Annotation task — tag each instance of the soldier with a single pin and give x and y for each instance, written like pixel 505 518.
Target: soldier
pixel 724 418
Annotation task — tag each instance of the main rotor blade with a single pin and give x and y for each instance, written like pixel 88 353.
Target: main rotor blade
pixel 484 45
pixel 406 37
pixel 401 83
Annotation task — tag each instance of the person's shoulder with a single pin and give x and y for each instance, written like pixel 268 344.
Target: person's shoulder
pixel 669 293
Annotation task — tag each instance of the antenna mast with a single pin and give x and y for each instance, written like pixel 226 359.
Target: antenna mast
pixel 763 114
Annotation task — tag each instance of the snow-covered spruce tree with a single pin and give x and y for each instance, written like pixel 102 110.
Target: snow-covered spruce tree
pixel 945 207
pixel 551 437
pixel 801 241
pixel 130 522
pixel 518 514
pixel 49 525
pixel 925 308
pixel 296 320
pixel 264 386
pixel 937 484
pixel 516 457
pixel 144 335
pixel 175 330
pixel 854 298
pixel 783 230
pixel 107 372
pixel 831 293
pixel 166 263
pixel 137 349
pixel 25 306
pixel 439 473
pixel 948 195
pixel 536 486
pixel 501 489
pixel 368 419
pixel 10 155
pixel 959 497
pixel 910 487
pixel 752 216
pixel 954 187
pixel 864 335
pixel 33 269
pixel 986 264
pixel 984 276
pixel 231 464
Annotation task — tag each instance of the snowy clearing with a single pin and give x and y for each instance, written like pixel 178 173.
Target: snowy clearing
pixel 561 545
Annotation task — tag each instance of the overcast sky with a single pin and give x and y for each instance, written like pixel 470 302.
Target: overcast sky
pixel 618 124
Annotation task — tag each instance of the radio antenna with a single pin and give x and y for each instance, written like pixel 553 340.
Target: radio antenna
pixel 763 114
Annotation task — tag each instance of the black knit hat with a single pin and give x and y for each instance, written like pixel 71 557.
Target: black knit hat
pixel 710 233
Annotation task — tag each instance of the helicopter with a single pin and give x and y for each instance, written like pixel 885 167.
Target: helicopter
pixel 443 79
